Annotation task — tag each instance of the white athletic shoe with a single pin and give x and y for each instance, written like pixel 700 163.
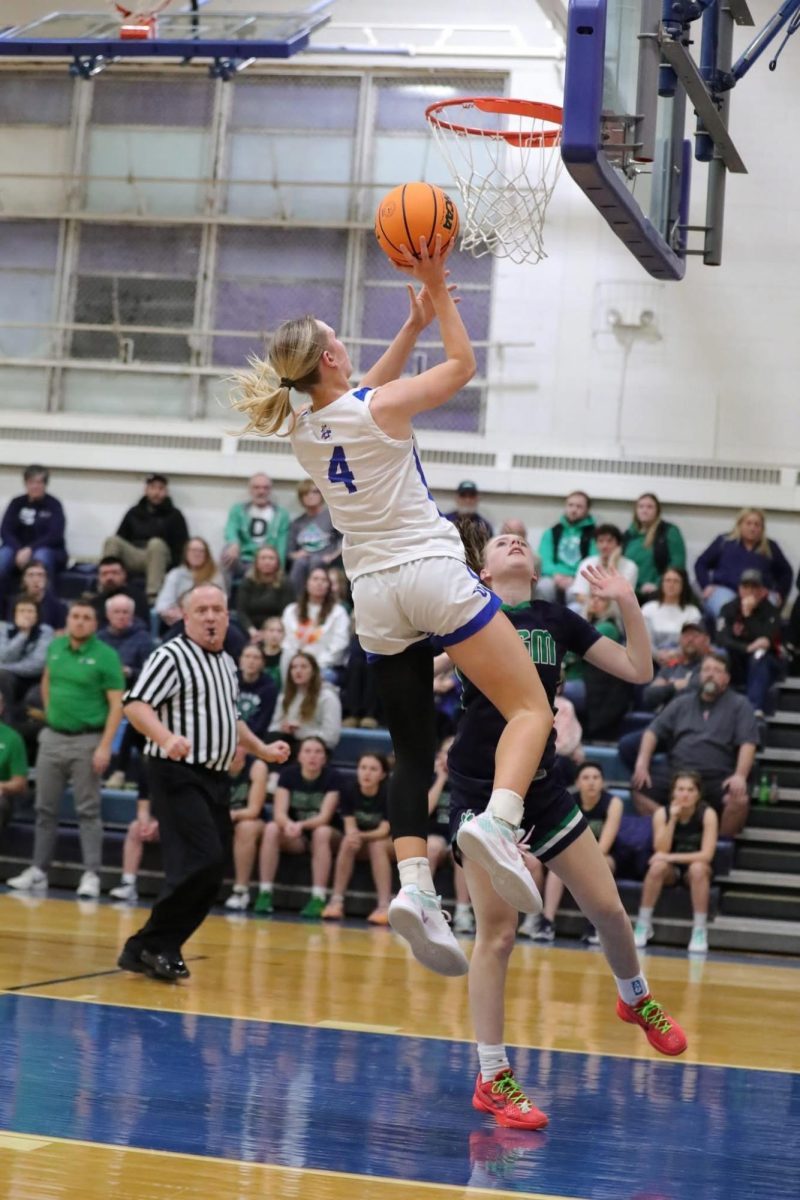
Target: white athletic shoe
pixel 642 934
pixel 89 886
pixel 418 918
pixel 698 943
pixel 28 880
pixel 238 901
pixel 125 891
pixel 492 844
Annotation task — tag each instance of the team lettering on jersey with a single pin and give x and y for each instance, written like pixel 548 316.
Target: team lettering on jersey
pixel 541 646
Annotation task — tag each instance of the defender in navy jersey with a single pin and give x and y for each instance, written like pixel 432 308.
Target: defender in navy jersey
pixel 411 586
pixel 556 829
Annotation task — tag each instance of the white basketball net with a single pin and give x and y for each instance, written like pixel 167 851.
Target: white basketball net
pixel 505 165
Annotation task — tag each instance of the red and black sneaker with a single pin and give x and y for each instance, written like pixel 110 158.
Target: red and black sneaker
pixel 662 1031
pixel 506 1101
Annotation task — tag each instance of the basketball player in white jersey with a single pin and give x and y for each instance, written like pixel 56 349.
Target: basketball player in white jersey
pixel 412 589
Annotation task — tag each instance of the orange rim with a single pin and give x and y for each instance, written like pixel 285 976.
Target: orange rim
pixel 496 104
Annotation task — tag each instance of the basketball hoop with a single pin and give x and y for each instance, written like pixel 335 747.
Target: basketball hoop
pixel 504 156
pixel 140 24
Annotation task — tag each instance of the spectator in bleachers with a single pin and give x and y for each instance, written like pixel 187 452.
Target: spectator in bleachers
pixel 608 540
pixel 653 544
pixel 23 650
pixel 197 566
pixel 713 732
pixel 313 542
pixel 317 624
pixel 253 523
pixel 749 631
pixel 141 832
pixel 151 535
pixel 307 706
pixel 516 526
pixel 793 632
pixel 112 580
pixel 362 808
pixel 262 593
pixel 340 587
pixel 36 587
pixel 257 691
pixel 564 546
pixel 273 634
pixel 439 847
pixel 685 842
pixel 603 813
pixel 304 810
pixel 746 548
pixel 82 687
pixel 13 768
pixel 600 614
pixel 126 634
pixel 466 510
pixel 32 530
pixel 666 615
pixel 248 798
pixel 681 671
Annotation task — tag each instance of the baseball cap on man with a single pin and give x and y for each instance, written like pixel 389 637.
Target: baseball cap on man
pixel 752 577
pixel 466 488
pixel 692 626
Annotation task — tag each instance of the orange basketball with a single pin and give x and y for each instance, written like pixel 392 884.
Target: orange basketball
pixel 411 211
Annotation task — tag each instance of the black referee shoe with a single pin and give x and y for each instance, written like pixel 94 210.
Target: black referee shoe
pixel 129 960
pixel 160 966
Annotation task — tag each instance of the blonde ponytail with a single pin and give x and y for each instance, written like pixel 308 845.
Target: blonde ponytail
pixel 262 393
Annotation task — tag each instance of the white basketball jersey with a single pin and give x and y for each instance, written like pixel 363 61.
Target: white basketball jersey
pixel 374 487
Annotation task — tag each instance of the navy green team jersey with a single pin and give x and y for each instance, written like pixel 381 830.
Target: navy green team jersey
pixel 306 795
pixel 548 632
pixel 368 811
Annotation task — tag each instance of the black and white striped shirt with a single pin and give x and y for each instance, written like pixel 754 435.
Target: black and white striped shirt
pixel 193 693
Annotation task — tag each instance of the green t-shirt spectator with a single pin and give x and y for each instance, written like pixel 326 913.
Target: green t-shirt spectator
pixel 13 757
pixel 78 682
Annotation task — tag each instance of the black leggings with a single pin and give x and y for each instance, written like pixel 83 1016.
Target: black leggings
pixel 405 687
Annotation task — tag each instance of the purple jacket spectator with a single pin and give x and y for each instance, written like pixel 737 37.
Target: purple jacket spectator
pixel 256 703
pixel 33 524
pixel 724 561
pixel 133 645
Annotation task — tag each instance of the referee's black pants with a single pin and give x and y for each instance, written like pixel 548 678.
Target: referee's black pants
pixel 193 813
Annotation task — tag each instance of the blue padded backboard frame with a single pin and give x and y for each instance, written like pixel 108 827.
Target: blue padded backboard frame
pixel 581 149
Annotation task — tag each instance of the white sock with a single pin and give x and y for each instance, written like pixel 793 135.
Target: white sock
pixel 318 893
pixel 126 878
pixel 241 889
pixel 699 920
pixel 632 991
pixel 416 872
pixel 507 806
pixel 265 887
pixel 492 1060
pixel 463 910
pixel 645 917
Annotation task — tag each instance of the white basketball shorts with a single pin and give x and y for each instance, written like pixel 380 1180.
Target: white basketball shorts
pixel 436 598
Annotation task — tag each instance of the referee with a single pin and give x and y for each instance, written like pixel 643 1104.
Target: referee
pixel 184 702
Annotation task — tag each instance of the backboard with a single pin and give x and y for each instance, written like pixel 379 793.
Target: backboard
pixel 92 40
pixel 631 81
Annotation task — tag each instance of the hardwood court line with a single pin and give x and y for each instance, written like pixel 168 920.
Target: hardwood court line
pixel 315 1172
pixel 27 987
pixel 386 1031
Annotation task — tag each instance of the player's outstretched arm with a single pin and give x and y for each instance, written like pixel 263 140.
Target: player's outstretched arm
pixel 632 662
pixel 398 402
pixel 421 312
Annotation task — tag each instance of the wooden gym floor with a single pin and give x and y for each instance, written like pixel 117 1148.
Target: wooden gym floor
pixel 316 1061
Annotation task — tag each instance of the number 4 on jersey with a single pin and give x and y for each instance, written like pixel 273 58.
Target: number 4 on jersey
pixel 339 472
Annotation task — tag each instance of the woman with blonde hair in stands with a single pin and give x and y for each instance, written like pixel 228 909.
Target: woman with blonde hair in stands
pixel 197 566
pixel 653 544
pixel 746 548
pixel 410 581
pixel 263 592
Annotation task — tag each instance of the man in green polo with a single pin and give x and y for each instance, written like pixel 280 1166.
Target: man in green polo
pixel 13 767
pixel 82 689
